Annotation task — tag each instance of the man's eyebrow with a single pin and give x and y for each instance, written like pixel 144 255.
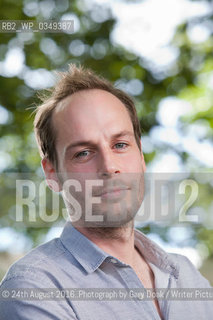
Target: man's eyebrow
pixel 82 143
pixel 122 134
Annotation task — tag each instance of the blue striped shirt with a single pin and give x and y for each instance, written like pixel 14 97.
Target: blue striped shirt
pixel 73 261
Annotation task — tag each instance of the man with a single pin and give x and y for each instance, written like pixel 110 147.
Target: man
pixel 89 139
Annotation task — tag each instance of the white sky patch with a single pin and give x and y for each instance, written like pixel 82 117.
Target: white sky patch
pixel 4 115
pixel 31 8
pixel 191 253
pixel 198 33
pixel 76 47
pixel 169 112
pixel 205 79
pixel 146 28
pixel 13 241
pixel 210 82
pixel 162 56
pixel 166 162
pixel 202 151
pixel 71 16
pixel 147 145
pixel 170 109
pixel 54 232
pixel 161 135
pixel 13 63
pixel 199 129
pixel 199 150
pixel 179 234
pixel 46 8
pixel 133 87
pixel 5 160
pixel 39 78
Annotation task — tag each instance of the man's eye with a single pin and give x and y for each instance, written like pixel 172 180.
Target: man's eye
pixel 121 145
pixel 82 154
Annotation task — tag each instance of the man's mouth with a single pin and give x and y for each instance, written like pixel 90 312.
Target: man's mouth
pixel 111 193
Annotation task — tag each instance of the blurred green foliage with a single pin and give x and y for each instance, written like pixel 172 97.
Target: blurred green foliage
pixel 188 78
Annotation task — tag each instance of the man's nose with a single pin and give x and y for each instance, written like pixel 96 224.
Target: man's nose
pixel 108 165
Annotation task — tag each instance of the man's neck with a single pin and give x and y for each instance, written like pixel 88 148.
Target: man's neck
pixel 118 242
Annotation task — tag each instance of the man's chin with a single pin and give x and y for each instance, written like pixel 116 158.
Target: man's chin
pixel 104 224
pixel 112 231
pixel 106 220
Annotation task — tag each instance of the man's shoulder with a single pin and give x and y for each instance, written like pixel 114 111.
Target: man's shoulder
pixel 37 263
pixel 189 275
pixel 25 281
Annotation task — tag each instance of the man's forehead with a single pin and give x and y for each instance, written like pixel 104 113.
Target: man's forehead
pixel 91 109
pixel 84 96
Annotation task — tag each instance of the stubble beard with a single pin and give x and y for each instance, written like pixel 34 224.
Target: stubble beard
pixel 117 223
pixel 113 233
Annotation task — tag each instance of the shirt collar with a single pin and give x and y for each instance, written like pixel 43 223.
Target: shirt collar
pixel 87 253
pixel 90 256
pixel 156 255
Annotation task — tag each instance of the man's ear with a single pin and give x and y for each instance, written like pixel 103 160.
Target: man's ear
pixel 51 175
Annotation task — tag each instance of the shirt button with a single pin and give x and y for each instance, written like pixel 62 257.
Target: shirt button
pixel 113 261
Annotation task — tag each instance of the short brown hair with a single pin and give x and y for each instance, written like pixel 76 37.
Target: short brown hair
pixel 70 82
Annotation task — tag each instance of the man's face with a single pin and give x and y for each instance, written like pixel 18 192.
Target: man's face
pixel 95 141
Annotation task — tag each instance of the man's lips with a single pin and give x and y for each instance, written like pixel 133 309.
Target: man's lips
pixel 115 191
